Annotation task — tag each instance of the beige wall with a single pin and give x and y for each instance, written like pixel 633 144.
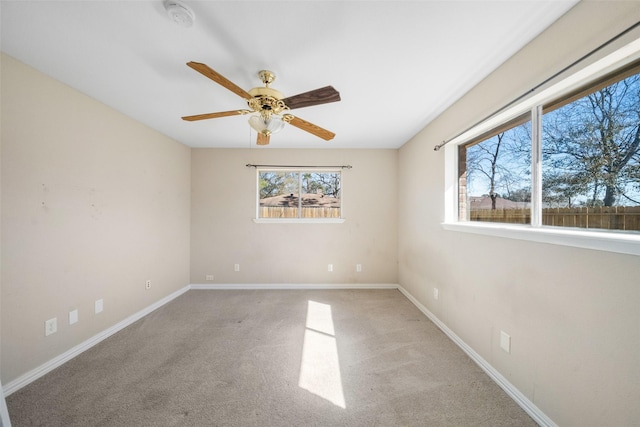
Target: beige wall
pixel 572 314
pixel 94 204
pixel 223 232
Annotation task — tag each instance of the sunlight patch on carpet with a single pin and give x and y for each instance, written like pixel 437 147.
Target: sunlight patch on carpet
pixel 320 366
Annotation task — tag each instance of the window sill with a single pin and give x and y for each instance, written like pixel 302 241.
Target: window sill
pixel 298 220
pixel 609 241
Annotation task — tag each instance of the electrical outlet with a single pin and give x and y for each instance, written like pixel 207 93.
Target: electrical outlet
pixel 209 277
pixel 330 267
pixel 359 268
pixel 236 267
pixel 73 316
pixel 147 284
pixel 99 306
pixel 50 326
pixel 436 293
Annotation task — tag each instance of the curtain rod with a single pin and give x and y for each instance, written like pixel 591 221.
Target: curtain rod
pixel 249 165
pixel 602 46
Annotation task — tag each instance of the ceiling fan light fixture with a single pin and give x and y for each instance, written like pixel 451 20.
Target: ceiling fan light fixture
pixel 179 13
pixel 266 125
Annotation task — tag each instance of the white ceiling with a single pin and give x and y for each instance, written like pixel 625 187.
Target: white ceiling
pixel 396 64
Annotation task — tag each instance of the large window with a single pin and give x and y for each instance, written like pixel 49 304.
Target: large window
pixel 299 194
pixel 585 152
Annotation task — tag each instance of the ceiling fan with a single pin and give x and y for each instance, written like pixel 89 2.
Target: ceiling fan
pixel 268 107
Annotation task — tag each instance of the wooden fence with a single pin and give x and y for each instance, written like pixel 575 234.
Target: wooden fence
pixel 601 217
pixel 307 212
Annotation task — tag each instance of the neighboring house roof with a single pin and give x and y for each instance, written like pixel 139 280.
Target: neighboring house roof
pixel 484 202
pixel 291 200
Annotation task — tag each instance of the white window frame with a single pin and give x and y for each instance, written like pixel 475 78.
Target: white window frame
pixel 259 220
pixel 604 240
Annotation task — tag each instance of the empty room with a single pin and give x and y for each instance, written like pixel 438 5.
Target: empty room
pixel 288 213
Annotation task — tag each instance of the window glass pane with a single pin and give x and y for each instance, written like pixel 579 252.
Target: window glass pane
pixel 320 195
pixel 279 194
pixel 495 177
pixel 591 160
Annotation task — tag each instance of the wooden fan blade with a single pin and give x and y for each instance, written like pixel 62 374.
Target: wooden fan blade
pixel 262 139
pixel 215 115
pixel 310 127
pixel 314 97
pixel 219 78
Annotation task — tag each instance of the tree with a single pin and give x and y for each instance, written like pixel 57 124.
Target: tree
pixel 561 189
pixel 500 163
pixel 591 147
pixel 522 195
pixel 277 183
pixel 321 182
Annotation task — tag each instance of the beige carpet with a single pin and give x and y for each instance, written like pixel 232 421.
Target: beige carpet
pixel 272 358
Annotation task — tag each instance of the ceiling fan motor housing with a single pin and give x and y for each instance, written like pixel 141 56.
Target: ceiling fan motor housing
pixel 266 100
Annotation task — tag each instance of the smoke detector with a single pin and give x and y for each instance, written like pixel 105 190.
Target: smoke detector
pixel 179 13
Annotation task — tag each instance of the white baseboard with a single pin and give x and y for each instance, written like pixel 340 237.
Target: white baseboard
pixel 280 286
pixel 527 405
pixel 47 367
pixel 4 412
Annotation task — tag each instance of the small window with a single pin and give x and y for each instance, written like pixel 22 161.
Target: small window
pixel 299 194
